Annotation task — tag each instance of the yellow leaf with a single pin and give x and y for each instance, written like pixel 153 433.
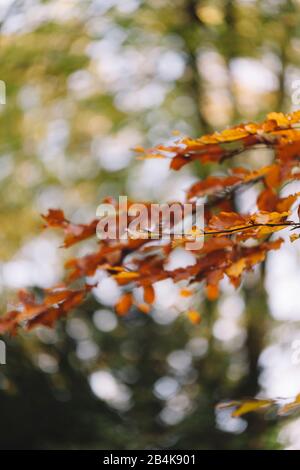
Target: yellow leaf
pixel 245 406
pixel 236 269
pixel 150 156
pixel 294 237
pixel 280 119
pixel 251 405
pixel 126 275
pixel 229 135
pixel 264 217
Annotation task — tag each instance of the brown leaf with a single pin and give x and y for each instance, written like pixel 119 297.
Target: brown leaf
pixel 56 303
pixel 74 233
pixel 226 220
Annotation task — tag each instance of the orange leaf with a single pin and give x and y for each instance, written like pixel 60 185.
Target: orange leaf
pixel 124 304
pixel 212 292
pixel 149 294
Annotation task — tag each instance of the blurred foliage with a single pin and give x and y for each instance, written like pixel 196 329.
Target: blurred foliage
pixel 87 81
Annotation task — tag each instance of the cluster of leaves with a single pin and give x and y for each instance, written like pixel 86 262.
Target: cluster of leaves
pixel 233 242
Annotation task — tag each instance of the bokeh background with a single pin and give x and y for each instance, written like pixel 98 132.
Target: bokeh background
pixel 86 81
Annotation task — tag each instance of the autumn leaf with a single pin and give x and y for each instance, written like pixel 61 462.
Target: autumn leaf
pixel 125 276
pixel 251 405
pixel 226 220
pixel 74 233
pixel 242 407
pixel 236 269
pixel 212 291
pixel 56 303
pixel 149 294
pixel 245 406
pixel 280 119
pixel 124 303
